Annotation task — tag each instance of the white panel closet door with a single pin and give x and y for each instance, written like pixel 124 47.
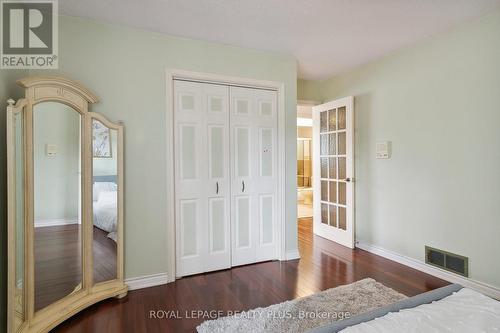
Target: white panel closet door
pixel 254 183
pixel 202 177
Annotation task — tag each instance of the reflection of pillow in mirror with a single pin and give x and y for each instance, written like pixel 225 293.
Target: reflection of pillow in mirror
pixel 107 197
pixel 102 186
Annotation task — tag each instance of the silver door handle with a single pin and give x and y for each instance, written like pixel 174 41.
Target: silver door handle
pixel 242 186
pixel 216 187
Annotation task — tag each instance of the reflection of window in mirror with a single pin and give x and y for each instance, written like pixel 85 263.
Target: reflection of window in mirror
pixel 105 207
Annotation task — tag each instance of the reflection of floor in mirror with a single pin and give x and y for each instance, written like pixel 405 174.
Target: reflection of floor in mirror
pixel 104 252
pixel 58 261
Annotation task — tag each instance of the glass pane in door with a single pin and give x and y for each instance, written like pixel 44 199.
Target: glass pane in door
pixel 332 168
pixel 342 193
pixel 342 218
pixel 333 192
pixel 323 122
pixel 342 166
pixel 324 167
pixel 324 190
pixel 323 144
pixel 342 143
pixel 332 120
pixel 324 213
pixel 332 142
pixel 333 215
pixel 341 118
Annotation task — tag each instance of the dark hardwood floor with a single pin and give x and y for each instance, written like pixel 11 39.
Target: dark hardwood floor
pixel 323 265
pixel 58 260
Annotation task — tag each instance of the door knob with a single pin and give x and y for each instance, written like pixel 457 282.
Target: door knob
pixel 216 187
pixel 348 180
pixel 242 186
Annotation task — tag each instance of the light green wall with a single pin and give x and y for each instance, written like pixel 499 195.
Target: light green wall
pixel 439 104
pixel 126 69
pixel 56 178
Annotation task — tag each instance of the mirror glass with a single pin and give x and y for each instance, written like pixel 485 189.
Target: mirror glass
pixel 105 201
pixel 57 202
pixel 19 224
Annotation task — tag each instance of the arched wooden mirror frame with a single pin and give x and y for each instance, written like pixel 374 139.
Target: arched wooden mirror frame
pixel 57 89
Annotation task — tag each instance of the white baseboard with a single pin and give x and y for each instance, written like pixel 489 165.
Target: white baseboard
pixel 292 255
pixel 147 281
pixel 481 287
pixel 55 222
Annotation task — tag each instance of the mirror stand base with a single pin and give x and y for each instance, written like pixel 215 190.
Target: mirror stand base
pixel 121 295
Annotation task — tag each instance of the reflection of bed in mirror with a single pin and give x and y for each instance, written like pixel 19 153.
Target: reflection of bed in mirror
pixel 105 204
pixel 105 212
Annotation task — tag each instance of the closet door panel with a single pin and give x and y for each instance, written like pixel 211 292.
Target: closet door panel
pixel 190 182
pixel 218 252
pixel 253 122
pixel 217 224
pixel 266 210
pixel 188 154
pixel 201 121
pixel 266 124
pixel 242 152
pixel 266 157
pixel 189 226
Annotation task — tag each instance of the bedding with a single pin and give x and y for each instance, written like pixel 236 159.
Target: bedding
pixel 102 187
pixel 411 302
pixel 464 311
pixel 105 208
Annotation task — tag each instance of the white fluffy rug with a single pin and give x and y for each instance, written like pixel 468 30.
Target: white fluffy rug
pixel 303 314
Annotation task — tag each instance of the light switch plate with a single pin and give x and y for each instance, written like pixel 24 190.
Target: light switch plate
pixel 383 150
pixel 51 150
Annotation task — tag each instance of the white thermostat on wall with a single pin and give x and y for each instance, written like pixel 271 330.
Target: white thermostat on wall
pixel 383 149
pixel 50 150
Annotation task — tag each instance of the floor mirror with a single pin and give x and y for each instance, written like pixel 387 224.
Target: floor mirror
pixel 65 204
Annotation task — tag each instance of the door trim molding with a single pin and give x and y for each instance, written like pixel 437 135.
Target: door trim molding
pixel 279 87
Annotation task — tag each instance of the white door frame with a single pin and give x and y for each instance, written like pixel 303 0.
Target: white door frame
pixel 279 87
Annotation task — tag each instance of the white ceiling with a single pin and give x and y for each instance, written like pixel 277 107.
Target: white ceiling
pixel 325 36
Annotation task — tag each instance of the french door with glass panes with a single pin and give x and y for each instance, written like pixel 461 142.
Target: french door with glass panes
pixel 333 165
pixel 225 176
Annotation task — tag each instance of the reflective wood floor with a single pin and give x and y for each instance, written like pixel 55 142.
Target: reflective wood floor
pixel 58 260
pixel 323 265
